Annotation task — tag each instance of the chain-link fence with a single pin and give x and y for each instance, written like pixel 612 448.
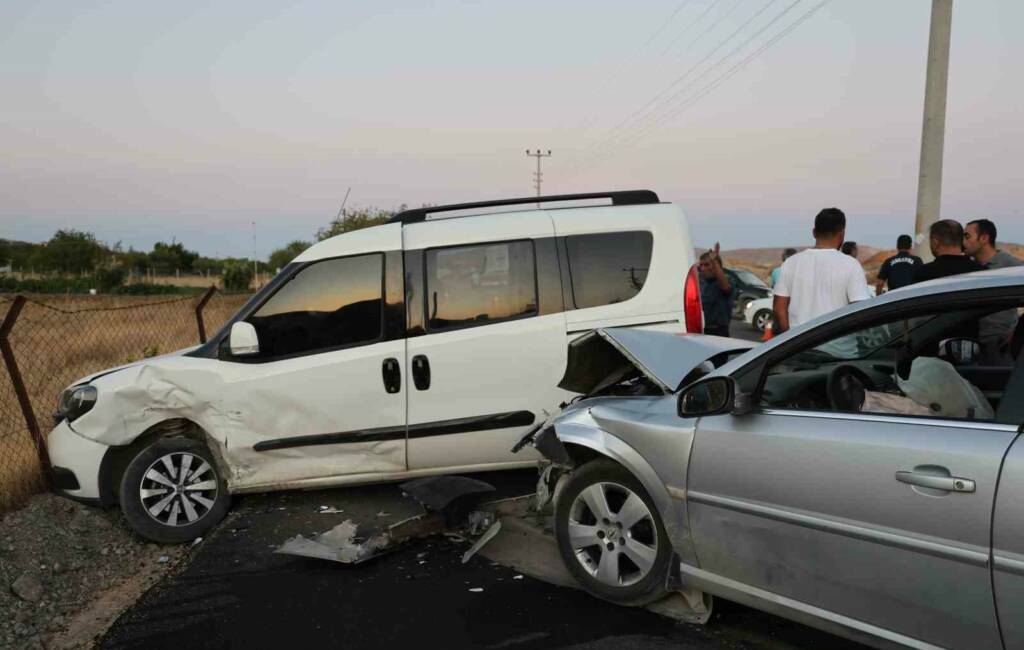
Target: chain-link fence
pixel 48 342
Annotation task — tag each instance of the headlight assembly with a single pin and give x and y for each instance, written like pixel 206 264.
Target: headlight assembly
pixel 76 402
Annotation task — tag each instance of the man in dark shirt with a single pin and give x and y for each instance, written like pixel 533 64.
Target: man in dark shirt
pixel 946 238
pixel 716 294
pixel 898 270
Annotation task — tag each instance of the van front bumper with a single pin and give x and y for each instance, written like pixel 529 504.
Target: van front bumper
pixel 76 463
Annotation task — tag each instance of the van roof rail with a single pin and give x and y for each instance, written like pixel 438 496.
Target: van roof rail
pixel 625 197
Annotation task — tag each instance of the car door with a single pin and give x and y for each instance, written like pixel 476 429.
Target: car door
pixel 881 519
pixel 486 345
pixel 325 397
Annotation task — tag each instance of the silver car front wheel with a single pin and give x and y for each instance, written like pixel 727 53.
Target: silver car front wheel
pixel 613 534
pixel 610 535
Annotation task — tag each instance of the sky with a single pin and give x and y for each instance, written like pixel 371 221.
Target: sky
pixel 143 122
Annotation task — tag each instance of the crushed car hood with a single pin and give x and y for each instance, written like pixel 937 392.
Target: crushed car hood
pixel 606 357
pixel 96 375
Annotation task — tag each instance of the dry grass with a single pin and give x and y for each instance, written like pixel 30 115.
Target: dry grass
pixel 60 338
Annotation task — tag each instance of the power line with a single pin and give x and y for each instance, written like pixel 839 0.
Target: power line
pixel 695 22
pixel 721 79
pixel 609 137
pixel 623 66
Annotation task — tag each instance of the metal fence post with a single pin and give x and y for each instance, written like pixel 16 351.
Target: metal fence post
pixel 19 386
pixel 205 298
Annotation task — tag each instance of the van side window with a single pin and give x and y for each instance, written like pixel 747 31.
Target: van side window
pixel 607 268
pixel 329 304
pixel 480 284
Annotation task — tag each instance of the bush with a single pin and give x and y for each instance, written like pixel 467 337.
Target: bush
pixel 236 276
pixel 110 278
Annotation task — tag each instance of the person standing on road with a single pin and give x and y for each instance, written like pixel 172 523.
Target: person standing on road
pixel 946 239
pixel 774 277
pixel 716 293
pixel 995 331
pixel 820 279
pixel 898 270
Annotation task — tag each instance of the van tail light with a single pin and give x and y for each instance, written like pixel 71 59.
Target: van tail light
pixel 693 311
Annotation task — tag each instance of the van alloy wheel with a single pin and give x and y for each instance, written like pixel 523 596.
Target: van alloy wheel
pixel 178 489
pixel 613 534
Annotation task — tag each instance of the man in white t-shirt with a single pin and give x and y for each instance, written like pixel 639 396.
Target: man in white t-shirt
pixel 818 280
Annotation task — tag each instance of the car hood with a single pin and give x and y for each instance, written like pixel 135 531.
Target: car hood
pixel 96 375
pixel 605 357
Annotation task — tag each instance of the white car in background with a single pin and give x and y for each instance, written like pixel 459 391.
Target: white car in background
pixel 759 314
pixel 421 346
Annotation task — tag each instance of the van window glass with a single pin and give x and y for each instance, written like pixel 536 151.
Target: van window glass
pixel 328 304
pixel 607 268
pixel 480 284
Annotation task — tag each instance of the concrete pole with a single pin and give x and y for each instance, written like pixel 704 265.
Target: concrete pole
pixel 933 129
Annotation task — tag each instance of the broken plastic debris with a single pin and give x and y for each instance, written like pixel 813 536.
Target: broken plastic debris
pixel 517 577
pixel 476 590
pixel 196 542
pixel 337 544
pixel 383 514
pixel 163 559
pixel 324 510
pixel 438 492
pixel 486 537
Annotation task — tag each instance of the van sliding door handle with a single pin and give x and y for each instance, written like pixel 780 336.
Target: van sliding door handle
pixel 947 483
pixel 391 372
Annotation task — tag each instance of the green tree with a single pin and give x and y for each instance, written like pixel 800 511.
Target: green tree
pixel 282 256
pixel 137 261
pixel 236 275
pixel 355 219
pixel 73 251
pixel 168 258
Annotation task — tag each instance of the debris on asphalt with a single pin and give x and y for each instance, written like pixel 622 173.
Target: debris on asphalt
pixel 196 542
pixel 383 514
pixel 476 590
pixel 439 492
pixel 328 510
pixel 338 544
pixel 488 535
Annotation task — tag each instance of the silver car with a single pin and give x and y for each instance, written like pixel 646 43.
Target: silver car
pixel 862 474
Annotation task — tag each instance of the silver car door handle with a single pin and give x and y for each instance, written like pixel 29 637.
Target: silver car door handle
pixel 948 483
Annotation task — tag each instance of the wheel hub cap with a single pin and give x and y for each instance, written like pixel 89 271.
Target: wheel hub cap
pixel 178 489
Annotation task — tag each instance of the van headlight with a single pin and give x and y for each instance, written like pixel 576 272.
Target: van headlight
pixel 75 402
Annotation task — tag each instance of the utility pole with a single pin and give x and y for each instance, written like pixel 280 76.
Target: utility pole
pixel 255 267
pixel 933 128
pixel 537 176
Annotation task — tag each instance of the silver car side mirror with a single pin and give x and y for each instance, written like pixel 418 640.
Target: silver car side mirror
pixel 242 340
pixel 707 397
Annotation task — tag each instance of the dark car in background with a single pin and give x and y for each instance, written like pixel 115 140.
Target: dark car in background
pixel 748 287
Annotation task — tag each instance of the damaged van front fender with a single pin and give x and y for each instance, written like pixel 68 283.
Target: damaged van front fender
pixel 138 398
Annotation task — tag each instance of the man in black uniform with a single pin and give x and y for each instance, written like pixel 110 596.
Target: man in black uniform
pixel 947 241
pixel 898 270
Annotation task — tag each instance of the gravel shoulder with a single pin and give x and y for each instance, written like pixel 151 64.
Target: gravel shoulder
pixel 68 570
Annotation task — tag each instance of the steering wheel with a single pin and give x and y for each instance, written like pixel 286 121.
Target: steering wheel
pixel 846 387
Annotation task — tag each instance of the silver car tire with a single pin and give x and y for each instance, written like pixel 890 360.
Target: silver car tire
pixel 610 535
pixel 171 491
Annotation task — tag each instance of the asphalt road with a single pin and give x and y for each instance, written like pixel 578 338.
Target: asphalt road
pixel 236 593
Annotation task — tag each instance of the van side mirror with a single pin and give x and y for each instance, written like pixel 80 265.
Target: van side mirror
pixel 242 340
pixel 714 395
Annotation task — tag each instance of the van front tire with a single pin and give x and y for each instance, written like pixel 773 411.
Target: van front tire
pixel 171 492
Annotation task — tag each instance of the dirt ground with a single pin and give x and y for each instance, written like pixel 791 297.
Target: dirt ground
pixel 68 570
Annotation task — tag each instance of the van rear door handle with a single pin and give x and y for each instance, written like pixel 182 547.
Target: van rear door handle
pixel 421 372
pixel 947 483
